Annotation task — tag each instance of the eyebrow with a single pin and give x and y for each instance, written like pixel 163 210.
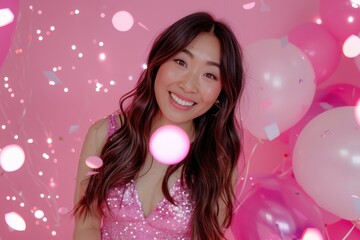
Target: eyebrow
pixel 208 62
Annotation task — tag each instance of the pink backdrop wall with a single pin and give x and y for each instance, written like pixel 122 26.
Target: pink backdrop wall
pixel 50 95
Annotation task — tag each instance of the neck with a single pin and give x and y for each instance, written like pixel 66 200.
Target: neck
pixel 188 127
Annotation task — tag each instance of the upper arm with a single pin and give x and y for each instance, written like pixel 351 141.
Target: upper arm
pixel 92 146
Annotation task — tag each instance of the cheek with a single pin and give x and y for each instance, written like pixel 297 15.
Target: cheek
pixel 164 76
pixel 211 93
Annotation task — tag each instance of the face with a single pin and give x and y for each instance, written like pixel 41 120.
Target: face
pixel 188 84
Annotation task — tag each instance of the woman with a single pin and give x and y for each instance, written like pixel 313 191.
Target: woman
pixel 193 80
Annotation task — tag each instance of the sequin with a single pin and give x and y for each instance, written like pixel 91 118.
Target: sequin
pixel 126 220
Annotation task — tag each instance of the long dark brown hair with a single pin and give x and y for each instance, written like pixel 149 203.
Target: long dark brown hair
pixel 212 159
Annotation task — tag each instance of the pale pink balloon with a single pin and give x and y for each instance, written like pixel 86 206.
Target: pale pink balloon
pixel 320 46
pixel 340 17
pixel 279 88
pixel 326 161
pixel 169 144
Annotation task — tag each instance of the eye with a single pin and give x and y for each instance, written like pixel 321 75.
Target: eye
pixel 180 62
pixel 211 76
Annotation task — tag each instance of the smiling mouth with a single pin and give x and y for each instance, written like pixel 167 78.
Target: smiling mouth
pixel 181 101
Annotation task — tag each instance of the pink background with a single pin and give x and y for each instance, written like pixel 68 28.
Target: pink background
pixel 31 108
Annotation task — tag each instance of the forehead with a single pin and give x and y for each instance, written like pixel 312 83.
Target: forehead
pixel 206 46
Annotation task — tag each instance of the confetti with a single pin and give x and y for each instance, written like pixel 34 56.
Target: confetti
pixel 94 162
pixel 52 77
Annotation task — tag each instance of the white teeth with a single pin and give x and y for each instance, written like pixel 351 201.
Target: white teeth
pixel 180 101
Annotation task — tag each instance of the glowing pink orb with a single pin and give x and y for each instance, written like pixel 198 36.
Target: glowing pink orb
pixel 357 112
pixel 12 158
pixel 94 162
pixel 6 17
pixel 15 221
pixel 312 234
pixel 169 144
pixel 122 21
pixel 351 46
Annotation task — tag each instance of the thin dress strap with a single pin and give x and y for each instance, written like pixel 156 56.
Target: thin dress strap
pixel 113 124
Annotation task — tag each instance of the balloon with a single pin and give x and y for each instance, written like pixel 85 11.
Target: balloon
pixel 276 209
pixel 324 100
pixel 279 89
pixel 263 157
pixel 8 17
pixel 357 62
pixel 341 228
pixel 326 161
pixel 321 47
pixel 341 93
pixel 340 17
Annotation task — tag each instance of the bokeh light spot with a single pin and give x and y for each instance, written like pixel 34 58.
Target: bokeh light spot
pixel 169 144
pixel 351 47
pixel 94 162
pixel 122 21
pixel 39 214
pixel 6 17
pixel 15 221
pixel 12 158
pixel 312 234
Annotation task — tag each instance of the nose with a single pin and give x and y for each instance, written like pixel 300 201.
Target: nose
pixel 189 83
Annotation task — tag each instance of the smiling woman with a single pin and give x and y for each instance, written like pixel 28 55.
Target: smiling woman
pixel 194 80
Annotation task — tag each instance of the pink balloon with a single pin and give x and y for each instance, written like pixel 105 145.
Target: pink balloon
pixel 341 228
pixel 321 47
pixel 340 17
pixel 276 209
pixel 264 158
pixel 279 90
pixel 324 100
pixel 345 92
pixel 357 62
pixel 7 30
pixel 326 161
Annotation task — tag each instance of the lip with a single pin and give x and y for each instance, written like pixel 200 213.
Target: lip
pixel 177 105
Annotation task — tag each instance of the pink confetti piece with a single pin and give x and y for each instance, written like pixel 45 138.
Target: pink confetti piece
pixel 249 6
pixel 52 77
pixel 91 173
pixel 143 26
pixel 94 162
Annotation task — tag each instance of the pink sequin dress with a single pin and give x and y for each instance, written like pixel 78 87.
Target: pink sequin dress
pixel 126 219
